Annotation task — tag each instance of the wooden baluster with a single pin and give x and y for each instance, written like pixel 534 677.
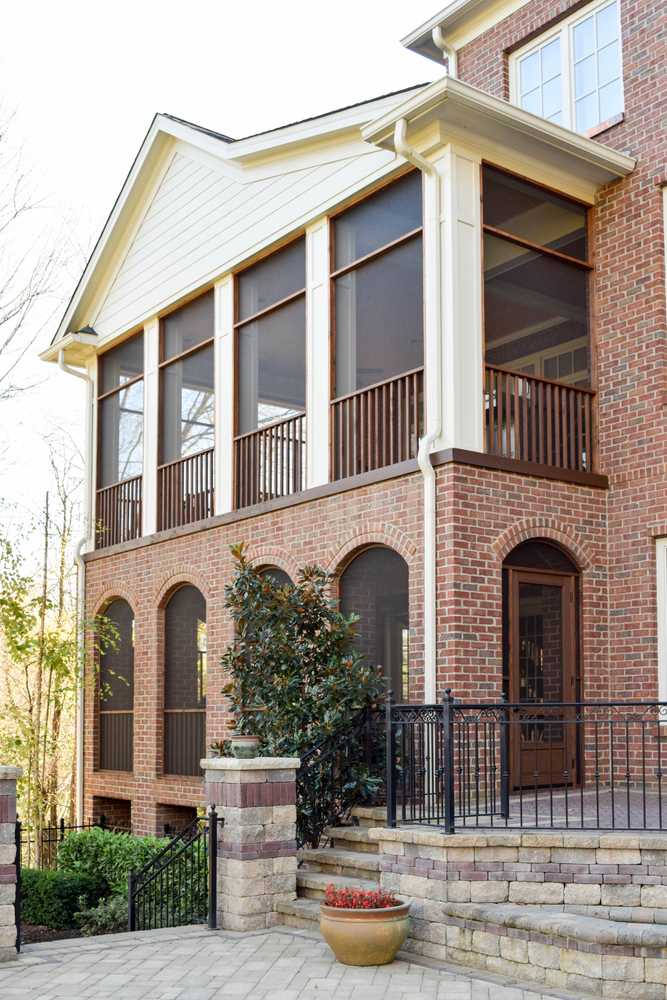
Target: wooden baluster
pixel 516 420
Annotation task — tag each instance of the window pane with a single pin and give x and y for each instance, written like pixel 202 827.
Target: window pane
pixel 375 587
pixel 584 76
pixel 185 650
pixel 121 419
pixel 607 25
pixel 532 102
pixel 273 279
pixel 188 326
pixel 378 220
pixel 551 98
pixel 117 662
pixel 121 364
pixel 379 319
pixel 530 72
pixel 611 101
pixel 530 212
pixel 608 64
pixel 272 367
pixel 584 38
pixel 587 113
pixel 188 406
pixel 551 59
pixel 535 312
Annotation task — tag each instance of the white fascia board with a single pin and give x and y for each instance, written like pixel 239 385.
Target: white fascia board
pixel 78 347
pixel 465 110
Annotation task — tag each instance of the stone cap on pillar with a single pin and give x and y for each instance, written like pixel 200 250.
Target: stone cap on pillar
pixel 10 773
pixel 250 763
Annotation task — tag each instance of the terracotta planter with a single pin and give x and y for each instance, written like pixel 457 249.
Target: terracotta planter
pixel 244 746
pixel 365 937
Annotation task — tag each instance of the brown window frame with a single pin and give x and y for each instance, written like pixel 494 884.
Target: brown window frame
pixel 106 395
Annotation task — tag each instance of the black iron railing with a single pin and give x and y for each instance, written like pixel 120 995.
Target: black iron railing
pixel 339 772
pixel 39 846
pixel 178 886
pixel 565 765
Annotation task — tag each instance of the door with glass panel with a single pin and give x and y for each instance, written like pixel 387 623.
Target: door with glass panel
pixel 542 673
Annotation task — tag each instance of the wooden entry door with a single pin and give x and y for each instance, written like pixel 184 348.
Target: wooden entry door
pixel 542 670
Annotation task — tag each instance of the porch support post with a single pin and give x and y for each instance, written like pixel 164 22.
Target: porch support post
pixel 256 862
pixel 151 426
pixel 224 396
pixel 317 353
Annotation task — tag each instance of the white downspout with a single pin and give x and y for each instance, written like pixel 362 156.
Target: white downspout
pixel 81 581
pixel 433 428
pixel 448 52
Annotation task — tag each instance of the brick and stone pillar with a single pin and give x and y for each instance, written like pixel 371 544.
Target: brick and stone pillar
pixel 8 861
pixel 257 863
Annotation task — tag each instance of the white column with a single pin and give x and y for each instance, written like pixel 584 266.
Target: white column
pixel 92 369
pixel 151 429
pixel 317 353
pixel 462 290
pixel 224 395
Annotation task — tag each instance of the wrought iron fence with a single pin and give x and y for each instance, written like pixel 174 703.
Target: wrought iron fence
pixel 178 886
pixel 565 765
pixel 339 772
pixel 39 847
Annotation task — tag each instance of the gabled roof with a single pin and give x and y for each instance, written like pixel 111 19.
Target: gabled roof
pixel 166 127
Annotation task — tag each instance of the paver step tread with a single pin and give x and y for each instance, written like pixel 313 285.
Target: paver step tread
pixel 306 909
pixel 308 879
pixel 354 835
pixel 336 857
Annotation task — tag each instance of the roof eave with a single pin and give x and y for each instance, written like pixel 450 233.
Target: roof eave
pixel 452 16
pixel 78 348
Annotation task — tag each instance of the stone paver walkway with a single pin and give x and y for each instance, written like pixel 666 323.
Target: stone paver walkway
pixel 190 963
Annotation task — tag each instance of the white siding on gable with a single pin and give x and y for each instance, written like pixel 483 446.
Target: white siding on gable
pixel 206 218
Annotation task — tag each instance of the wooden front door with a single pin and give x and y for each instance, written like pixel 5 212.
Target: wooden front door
pixel 542 670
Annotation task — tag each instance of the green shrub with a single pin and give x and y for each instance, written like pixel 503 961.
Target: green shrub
pixel 52 898
pixel 106 855
pixel 108 917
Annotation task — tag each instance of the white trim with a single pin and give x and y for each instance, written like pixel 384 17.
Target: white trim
pixel 317 353
pixel 151 430
pixel 224 396
pixel 661 585
pixel 564 30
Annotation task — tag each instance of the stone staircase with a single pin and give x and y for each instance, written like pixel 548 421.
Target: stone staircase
pixel 349 860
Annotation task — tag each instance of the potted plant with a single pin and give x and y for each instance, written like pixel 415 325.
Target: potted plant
pixel 363 927
pixel 243 746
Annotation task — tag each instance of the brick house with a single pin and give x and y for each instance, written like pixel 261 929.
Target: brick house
pixel 420 341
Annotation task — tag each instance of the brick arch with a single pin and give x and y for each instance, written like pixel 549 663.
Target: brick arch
pixel 367 535
pixel 169 585
pixel 259 556
pixel 531 528
pixel 106 594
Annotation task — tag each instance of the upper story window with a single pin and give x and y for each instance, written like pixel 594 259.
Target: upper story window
pixel 572 75
pixel 121 412
pixel 377 318
pixel 271 338
pixel 535 280
pixel 187 392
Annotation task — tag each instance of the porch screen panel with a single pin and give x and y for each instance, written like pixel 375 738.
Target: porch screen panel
pixel 185 682
pixel 116 692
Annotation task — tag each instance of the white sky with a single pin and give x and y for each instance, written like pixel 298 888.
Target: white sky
pixel 85 80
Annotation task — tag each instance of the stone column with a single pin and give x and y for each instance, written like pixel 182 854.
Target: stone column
pixel 8 859
pixel 257 862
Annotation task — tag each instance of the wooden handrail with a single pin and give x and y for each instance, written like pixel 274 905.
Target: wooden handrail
pixel 270 462
pixel 118 512
pixel 376 385
pixel 185 490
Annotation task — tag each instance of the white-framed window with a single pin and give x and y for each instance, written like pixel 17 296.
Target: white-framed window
pixel 572 75
pixel 661 582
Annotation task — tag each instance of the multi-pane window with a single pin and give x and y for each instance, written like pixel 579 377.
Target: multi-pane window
pixel 573 76
pixel 116 691
pixel 535 280
pixel 377 278
pixel 185 681
pixel 121 412
pixel 271 339
pixel 187 391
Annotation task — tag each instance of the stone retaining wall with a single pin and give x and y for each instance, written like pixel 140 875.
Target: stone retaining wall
pixel 8 866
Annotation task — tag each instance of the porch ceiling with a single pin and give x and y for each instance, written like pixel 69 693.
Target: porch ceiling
pixel 469 115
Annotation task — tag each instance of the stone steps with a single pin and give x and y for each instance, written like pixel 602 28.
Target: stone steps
pixel 340 861
pixel 313 884
pixel 370 815
pixel 304 913
pixel 351 838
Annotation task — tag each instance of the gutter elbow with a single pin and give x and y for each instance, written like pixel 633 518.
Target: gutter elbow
pixel 68 368
pixel 448 52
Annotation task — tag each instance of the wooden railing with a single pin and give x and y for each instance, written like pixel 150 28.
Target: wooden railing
pixel 185 490
pixel 535 420
pixel 116 740
pixel 118 513
pixel 377 426
pixel 184 740
pixel 270 462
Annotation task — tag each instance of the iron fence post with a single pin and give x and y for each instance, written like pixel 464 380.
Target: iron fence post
pixel 17 897
pixel 212 869
pixel 505 759
pixel 391 761
pixel 62 829
pixel 131 916
pixel 448 759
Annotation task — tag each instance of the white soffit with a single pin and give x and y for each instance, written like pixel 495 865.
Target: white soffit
pixel 467 114
pixel 460 22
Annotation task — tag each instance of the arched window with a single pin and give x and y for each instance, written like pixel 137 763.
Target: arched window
pixel 375 587
pixel 277 575
pixel 185 682
pixel 117 691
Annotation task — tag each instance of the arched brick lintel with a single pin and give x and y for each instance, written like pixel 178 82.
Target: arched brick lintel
pixel 530 528
pixel 367 535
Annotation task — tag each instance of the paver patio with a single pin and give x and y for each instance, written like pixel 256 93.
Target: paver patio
pixel 195 964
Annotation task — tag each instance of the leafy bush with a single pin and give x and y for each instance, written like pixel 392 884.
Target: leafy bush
pixel 106 855
pixel 108 917
pixel 294 652
pixel 52 898
pixel 348 898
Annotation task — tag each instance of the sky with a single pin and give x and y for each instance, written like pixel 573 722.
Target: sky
pixel 83 81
